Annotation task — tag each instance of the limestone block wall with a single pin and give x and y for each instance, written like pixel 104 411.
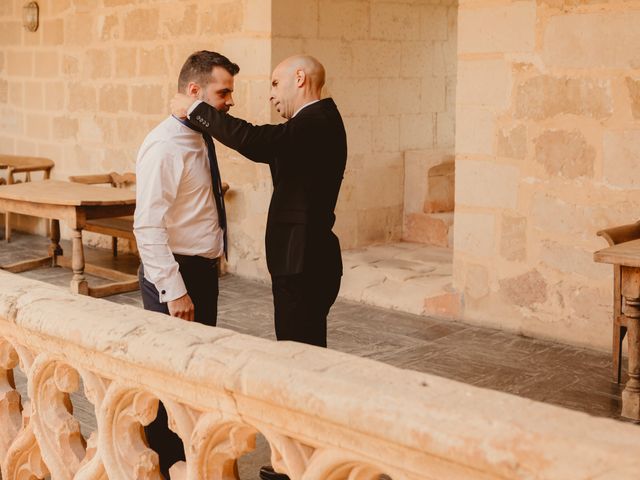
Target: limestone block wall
pixel 88 86
pixel 547 149
pixel 390 69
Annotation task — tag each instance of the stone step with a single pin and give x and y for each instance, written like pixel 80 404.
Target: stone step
pixel 409 277
pixel 429 228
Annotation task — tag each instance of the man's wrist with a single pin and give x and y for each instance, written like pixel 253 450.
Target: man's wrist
pixel 193 107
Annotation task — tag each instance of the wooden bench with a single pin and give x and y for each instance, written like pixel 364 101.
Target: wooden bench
pixel 119 227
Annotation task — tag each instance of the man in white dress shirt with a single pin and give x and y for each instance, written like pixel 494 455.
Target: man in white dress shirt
pixel 179 222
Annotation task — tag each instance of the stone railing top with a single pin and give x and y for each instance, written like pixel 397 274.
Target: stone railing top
pixel 401 420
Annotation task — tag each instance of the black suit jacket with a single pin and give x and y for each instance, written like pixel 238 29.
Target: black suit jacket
pixel 307 157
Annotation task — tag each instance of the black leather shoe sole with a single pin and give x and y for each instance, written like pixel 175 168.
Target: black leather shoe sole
pixel 268 473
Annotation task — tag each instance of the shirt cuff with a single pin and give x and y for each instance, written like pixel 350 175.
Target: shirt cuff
pixel 192 108
pixel 171 289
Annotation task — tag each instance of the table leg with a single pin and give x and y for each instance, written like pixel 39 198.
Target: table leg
pixel 631 293
pixel 7 215
pixel 78 282
pixel 54 247
pixel 7 226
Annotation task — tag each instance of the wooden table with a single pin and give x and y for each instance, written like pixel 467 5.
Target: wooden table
pixel 73 203
pixel 627 256
pixel 17 164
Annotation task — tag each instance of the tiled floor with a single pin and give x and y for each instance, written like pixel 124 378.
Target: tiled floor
pixel 571 377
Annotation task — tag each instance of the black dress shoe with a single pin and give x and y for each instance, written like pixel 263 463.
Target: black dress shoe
pixel 268 473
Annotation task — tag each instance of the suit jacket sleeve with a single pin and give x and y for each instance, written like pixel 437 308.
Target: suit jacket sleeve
pixel 256 142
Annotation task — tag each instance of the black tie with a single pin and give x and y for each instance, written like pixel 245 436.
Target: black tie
pixel 218 194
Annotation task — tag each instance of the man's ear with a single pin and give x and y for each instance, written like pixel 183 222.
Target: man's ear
pixel 193 89
pixel 301 77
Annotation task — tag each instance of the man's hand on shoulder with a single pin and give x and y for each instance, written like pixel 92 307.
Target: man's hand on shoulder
pixel 182 308
pixel 180 104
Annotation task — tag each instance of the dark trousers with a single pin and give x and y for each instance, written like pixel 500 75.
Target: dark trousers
pixel 301 304
pixel 200 276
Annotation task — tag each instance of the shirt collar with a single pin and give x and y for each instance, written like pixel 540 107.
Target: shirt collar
pixel 304 106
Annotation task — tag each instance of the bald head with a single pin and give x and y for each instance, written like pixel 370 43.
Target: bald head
pixel 312 68
pixel 296 81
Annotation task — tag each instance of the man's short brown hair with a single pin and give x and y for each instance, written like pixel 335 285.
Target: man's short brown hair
pixel 199 65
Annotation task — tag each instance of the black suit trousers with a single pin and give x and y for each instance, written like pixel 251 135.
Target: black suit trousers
pixel 200 276
pixel 301 304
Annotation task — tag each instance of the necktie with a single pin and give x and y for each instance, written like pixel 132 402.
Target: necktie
pixel 216 182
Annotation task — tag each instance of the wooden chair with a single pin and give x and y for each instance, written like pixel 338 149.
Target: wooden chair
pixel 119 227
pixel 614 236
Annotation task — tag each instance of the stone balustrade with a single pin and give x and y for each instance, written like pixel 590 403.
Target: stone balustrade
pixel 326 415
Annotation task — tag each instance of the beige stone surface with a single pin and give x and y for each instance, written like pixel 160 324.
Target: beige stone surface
pixel 488 28
pixel 475 130
pixel 327 412
pixel 474 233
pixel 488 184
pixel 512 142
pixel 568 132
pixel 393 93
pixel 398 276
pixel 525 290
pixel 565 153
pixel 477 281
pixel 104 73
pixel 441 181
pixel 513 237
pixel 633 86
pixel 545 96
pixel 485 83
pixel 429 228
pixel 621 150
pixel 605 39
pixel 112 67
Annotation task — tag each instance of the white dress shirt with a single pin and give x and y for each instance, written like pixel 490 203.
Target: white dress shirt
pixel 175 208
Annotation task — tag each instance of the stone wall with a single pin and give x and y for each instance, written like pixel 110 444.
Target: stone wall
pixel 90 83
pixel 547 149
pixel 96 77
pixel 391 70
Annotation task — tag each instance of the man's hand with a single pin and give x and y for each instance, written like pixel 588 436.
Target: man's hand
pixel 182 308
pixel 180 104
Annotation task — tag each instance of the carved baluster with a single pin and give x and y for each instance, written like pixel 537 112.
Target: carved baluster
pixel 182 421
pixel 10 404
pixel 92 467
pixel 57 431
pixel 288 455
pixel 216 445
pixel 333 464
pixel 23 460
pixel 120 437
pixel 26 357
